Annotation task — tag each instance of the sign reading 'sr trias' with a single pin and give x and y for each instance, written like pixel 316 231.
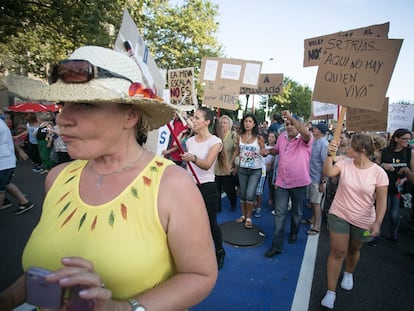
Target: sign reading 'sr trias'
pixel 313 47
pixel 269 84
pixel 356 72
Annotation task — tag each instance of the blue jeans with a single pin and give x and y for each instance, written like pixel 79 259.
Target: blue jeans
pixel 297 195
pixel 393 206
pixel 248 180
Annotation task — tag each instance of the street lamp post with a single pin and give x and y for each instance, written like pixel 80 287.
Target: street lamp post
pixel 247 103
pixel 271 59
pixel 267 108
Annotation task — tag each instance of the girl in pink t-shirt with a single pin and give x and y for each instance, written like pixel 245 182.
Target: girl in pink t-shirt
pixel 357 211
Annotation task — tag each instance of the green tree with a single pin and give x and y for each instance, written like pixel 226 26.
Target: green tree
pixel 45 31
pixel 181 36
pixel 295 98
pixel 35 33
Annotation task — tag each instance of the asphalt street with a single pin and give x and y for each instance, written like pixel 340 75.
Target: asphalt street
pixel 382 280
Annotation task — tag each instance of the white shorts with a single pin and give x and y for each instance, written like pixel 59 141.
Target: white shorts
pixel 314 195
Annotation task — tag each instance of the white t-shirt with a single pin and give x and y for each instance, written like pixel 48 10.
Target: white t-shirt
pixel 201 149
pixel 7 155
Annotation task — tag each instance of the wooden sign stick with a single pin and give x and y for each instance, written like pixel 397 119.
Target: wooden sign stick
pixel 338 129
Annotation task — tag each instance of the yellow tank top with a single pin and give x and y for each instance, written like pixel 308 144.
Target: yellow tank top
pixel 123 238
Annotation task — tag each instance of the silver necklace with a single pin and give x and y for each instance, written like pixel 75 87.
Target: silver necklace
pixel 102 176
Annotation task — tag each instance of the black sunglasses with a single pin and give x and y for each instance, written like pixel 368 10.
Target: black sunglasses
pixel 80 71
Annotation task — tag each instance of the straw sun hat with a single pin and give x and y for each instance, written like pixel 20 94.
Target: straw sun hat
pixel 155 112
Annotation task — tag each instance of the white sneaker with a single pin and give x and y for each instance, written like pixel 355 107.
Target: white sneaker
pixel 347 281
pixel 329 300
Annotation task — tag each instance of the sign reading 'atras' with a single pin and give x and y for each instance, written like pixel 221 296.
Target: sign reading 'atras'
pixel 269 84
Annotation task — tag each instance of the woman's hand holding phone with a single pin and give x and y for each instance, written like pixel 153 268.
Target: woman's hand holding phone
pixel 74 287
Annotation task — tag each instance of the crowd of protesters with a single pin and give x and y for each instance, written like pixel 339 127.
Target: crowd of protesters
pixel 251 149
pixel 377 152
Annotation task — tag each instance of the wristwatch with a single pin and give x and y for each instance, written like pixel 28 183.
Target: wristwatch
pixel 135 305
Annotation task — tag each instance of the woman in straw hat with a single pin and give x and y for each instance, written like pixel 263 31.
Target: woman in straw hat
pixel 104 220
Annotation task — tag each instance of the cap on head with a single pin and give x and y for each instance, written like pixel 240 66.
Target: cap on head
pixel 322 127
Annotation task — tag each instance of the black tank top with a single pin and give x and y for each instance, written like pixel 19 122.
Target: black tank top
pixel 398 159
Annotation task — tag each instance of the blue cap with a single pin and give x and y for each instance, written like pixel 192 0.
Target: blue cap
pixel 323 127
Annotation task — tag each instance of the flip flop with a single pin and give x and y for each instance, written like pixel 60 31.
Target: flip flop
pixel 306 221
pixel 248 224
pixel 312 232
pixel 241 219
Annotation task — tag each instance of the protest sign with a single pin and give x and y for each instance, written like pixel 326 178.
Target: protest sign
pixel 313 46
pixel 223 78
pixel 359 120
pixel 324 109
pixel 131 42
pixel 181 86
pixel 230 71
pixel 269 84
pixel 400 116
pixel 221 96
pixel 355 72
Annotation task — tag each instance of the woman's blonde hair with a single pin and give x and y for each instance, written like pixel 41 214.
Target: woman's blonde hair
pixel 379 142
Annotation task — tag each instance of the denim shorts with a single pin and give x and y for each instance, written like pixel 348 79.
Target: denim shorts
pixel 339 225
pixel 5 178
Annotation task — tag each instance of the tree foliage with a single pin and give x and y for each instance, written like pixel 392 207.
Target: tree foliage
pixel 295 97
pixel 45 31
pixel 35 33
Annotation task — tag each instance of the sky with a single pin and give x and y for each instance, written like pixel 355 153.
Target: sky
pixel 273 32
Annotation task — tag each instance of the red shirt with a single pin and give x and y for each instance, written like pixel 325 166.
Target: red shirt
pixel 178 127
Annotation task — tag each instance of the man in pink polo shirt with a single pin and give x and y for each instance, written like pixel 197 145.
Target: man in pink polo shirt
pixel 294 149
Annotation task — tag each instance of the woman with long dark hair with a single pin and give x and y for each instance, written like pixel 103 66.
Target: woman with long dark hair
pixel 398 162
pixel 250 150
pixel 204 150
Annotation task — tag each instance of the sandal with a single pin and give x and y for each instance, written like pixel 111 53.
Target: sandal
pixel 241 219
pixel 312 231
pixel 248 224
pixel 306 221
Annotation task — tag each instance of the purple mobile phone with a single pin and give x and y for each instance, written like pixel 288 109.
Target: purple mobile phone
pixel 41 293
pixel 76 303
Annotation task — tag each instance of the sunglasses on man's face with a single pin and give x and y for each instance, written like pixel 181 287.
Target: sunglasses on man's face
pixel 82 71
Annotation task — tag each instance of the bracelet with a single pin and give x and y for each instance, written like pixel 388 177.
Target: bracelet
pixel 195 158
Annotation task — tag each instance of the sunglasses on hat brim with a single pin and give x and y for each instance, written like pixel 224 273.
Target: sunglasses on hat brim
pixel 82 71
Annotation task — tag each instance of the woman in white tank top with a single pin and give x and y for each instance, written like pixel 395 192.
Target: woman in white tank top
pixel 251 148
